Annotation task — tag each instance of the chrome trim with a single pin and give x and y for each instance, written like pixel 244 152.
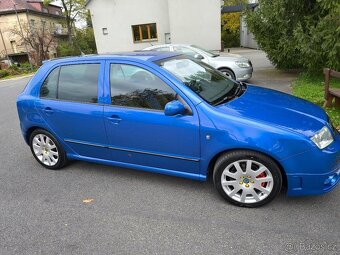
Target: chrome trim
pixel 129 150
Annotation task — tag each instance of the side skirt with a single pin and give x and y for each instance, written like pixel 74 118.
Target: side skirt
pixel 191 176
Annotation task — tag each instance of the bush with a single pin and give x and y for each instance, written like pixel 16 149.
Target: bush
pixel 3 73
pixel 230 23
pixel 230 39
pixel 298 34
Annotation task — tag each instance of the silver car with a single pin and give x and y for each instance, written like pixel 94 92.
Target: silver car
pixel 234 66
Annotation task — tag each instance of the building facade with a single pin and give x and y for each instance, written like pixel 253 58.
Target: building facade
pixel 125 25
pixel 36 20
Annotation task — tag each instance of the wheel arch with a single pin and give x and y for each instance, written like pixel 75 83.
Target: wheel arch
pixel 30 131
pixel 214 159
pixel 228 68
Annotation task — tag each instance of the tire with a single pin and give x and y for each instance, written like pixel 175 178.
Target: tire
pixel 47 150
pixel 250 179
pixel 227 72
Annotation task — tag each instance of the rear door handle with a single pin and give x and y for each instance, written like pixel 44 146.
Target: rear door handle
pixel 115 119
pixel 48 110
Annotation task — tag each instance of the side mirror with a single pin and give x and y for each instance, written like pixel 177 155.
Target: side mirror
pixel 198 56
pixel 173 108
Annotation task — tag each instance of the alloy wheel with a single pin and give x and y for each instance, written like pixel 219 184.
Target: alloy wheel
pixel 247 181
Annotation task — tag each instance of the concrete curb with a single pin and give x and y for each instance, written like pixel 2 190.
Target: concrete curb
pixel 17 78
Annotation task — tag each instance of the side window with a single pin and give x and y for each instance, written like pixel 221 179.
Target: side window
pixel 185 51
pixel 133 86
pixel 49 87
pixel 79 83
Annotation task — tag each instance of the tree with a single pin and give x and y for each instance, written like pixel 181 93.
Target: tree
pixel 72 10
pixel 297 34
pixel 84 43
pixel 39 38
pixel 230 24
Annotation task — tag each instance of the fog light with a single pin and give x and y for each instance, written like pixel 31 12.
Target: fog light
pixel 331 180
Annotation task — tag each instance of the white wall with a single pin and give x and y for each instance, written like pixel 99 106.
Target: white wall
pixel 196 22
pixel 188 21
pixel 118 16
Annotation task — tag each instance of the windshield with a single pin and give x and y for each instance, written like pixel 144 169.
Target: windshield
pixel 204 80
pixel 209 53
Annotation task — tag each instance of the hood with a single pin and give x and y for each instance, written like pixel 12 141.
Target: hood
pixel 231 57
pixel 277 108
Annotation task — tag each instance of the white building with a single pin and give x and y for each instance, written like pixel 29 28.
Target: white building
pixel 126 25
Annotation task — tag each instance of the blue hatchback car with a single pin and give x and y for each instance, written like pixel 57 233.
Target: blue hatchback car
pixel 170 114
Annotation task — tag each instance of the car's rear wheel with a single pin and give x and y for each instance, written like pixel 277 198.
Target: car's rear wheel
pixel 47 150
pixel 227 72
pixel 247 178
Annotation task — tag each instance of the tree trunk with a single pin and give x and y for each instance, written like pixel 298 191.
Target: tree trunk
pixel 69 32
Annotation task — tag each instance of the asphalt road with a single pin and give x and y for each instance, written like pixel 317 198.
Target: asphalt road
pixel 134 212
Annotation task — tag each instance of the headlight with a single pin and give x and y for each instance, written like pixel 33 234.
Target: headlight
pixel 242 64
pixel 323 138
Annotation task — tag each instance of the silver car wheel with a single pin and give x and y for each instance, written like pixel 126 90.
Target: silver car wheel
pixel 247 181
pixel 227 74
pixel 45 150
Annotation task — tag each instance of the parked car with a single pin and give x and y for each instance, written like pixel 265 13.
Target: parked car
pixel 170 114
pixel 234 66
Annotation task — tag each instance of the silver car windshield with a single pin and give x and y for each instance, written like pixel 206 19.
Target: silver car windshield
pixel 202 79
pixel 209 53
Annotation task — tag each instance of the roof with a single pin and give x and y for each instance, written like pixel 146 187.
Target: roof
pixel 7 6
pixel 150 56
pixel 237 8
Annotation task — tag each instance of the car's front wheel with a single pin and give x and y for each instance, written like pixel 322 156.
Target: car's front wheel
pixel 247 178
pixel 227 72
pixel 47 150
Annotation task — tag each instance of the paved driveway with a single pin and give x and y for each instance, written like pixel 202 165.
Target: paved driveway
pixel 265 74
pixel 133 212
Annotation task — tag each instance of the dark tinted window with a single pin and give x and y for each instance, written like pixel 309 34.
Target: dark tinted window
pixel 49 87
pixel 79 83
pixel 136 87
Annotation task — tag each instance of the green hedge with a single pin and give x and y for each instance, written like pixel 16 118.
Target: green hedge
pixel 298 34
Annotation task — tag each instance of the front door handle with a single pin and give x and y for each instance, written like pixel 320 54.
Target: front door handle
pixel 115 119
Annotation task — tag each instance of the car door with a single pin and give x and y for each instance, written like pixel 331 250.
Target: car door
pixel 70 104
pixel 139 133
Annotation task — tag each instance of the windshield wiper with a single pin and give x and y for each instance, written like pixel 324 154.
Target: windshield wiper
pixel 238 91
pixel 224 100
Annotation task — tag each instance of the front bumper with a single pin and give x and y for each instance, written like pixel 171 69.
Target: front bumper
pixel 314 172
pixel 313 184
pixel 243 74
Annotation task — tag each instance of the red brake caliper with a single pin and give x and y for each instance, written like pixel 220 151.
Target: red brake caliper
pixel 262 175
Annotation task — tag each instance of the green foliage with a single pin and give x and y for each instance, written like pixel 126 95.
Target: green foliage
pixel 230 39
pixel 230 23
pixel 83 42
pixel 14 70
pixel 311 87
pixel 298 34
pixel 86 41
pixel 3 73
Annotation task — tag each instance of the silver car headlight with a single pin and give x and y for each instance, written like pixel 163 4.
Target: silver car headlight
pixel 323 138
pixel 242 64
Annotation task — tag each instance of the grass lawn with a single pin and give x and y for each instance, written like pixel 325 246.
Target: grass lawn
pixel 311 88
pixel 16 76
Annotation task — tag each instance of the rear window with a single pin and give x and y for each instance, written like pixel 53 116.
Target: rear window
pixel 77 83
